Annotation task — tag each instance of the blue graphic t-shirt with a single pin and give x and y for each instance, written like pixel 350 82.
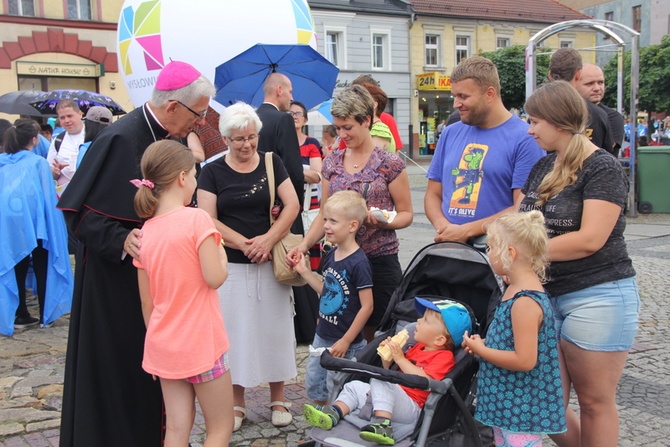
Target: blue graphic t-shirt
pixel 339 302
pixel 479 168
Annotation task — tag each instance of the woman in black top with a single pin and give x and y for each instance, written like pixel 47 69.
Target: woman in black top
pixel 582 190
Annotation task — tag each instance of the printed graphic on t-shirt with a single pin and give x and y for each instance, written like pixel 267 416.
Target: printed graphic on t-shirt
pixel 467 179
pixel 335 295
pixel 555 226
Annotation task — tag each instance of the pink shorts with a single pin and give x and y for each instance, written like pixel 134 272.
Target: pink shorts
pixel 220 367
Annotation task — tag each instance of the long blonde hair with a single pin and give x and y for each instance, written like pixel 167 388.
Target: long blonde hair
pixel 526 233
pixel 161 164
pixel 559 104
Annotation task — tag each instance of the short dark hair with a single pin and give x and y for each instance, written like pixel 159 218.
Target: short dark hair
pixel 302 106
pixel 67 103
pixel 17 137
pixel 365 79
pixel 380 97
pixel 481 70
pixel 332 130
pixel 564 64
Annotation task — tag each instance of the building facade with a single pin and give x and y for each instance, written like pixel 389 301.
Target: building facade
pixel 48 45
pixel 446 31
pixel 650 18
pixel 368 37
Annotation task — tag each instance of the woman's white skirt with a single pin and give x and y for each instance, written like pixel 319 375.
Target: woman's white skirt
pixel 258 314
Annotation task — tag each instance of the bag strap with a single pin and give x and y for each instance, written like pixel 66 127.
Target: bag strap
pixel 59 140
pixel 269 169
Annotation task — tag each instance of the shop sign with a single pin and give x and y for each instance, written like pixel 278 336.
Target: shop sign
pixel 433 81
pixel 60 70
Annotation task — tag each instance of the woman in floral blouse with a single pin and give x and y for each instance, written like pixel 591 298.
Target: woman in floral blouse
pixel 380 177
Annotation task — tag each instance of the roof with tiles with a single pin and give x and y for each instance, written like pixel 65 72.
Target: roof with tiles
pixel 537 11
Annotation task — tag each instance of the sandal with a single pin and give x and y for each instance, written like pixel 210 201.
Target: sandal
pixel 239 419
pixel 281 418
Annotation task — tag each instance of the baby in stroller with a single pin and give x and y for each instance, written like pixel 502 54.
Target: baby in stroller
pixel 437 334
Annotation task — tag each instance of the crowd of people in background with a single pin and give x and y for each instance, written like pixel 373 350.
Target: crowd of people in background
pixel 546 192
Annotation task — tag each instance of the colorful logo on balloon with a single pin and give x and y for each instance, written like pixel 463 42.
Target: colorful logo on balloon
pixel 142 26
pixel 303 21
pixel 153 32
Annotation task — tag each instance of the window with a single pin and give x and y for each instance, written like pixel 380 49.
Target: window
pixel 462 48
pixel 22 7
pixel 333 45
pixel 566 44
pixel 380 51
pixel 79 9
pixel 610 17
pixel 502 42
pixel 432 50
pixel 637 18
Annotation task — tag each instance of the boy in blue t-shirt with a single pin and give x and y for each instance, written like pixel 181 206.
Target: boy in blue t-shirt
pixel 345 292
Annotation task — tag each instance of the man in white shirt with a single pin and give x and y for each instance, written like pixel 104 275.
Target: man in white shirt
pixel 64 147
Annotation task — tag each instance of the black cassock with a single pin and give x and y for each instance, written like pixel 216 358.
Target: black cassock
pixel 108 399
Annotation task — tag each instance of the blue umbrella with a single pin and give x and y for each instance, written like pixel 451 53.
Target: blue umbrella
pixel 46 103
pixel 242 77
pixel 321 115
pixel 324 109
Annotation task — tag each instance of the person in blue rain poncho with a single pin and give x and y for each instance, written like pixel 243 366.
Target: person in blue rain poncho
pixel 30 224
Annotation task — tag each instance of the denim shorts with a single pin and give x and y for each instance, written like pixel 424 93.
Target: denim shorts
pixel 319 381
pixel 599 318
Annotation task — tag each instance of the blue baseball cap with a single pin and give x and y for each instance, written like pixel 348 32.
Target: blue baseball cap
pixel 455 316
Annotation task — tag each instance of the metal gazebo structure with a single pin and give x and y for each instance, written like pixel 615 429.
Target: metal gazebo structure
pixel 614 31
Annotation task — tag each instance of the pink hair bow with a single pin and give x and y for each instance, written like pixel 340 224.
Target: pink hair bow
pixel 148 183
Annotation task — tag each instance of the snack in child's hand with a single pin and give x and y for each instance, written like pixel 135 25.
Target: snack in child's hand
pixel 400 338
pixel 383 215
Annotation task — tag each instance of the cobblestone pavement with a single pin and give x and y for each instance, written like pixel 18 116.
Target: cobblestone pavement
pixel 32 361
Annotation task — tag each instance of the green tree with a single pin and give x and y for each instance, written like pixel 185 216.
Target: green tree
pixel 654 80
pixel 511 64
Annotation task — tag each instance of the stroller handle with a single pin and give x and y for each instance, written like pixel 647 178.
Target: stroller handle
pixel 375 372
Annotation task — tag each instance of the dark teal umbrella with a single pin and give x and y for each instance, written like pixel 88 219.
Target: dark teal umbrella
pixel 18 103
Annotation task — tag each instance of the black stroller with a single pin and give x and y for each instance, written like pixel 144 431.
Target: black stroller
pixel 441 270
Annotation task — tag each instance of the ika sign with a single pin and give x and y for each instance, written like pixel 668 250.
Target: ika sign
pixel 433 81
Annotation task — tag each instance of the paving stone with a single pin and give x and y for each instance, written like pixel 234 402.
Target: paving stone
pixel 28 415
pixel 8 382
pixel 11 428
pixel 43 425
pixel 37 440
pixel 16 441
pixel 19 391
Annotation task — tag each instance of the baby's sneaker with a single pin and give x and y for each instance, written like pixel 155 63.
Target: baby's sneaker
pixel 324 417
pixel 379 432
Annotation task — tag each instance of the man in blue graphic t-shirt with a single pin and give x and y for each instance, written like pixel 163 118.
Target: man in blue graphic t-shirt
pixel 481 162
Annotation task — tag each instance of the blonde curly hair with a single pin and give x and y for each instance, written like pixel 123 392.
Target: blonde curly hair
pixel 526 233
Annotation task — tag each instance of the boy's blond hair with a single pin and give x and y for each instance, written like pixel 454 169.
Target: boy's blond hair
pixel 348 203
